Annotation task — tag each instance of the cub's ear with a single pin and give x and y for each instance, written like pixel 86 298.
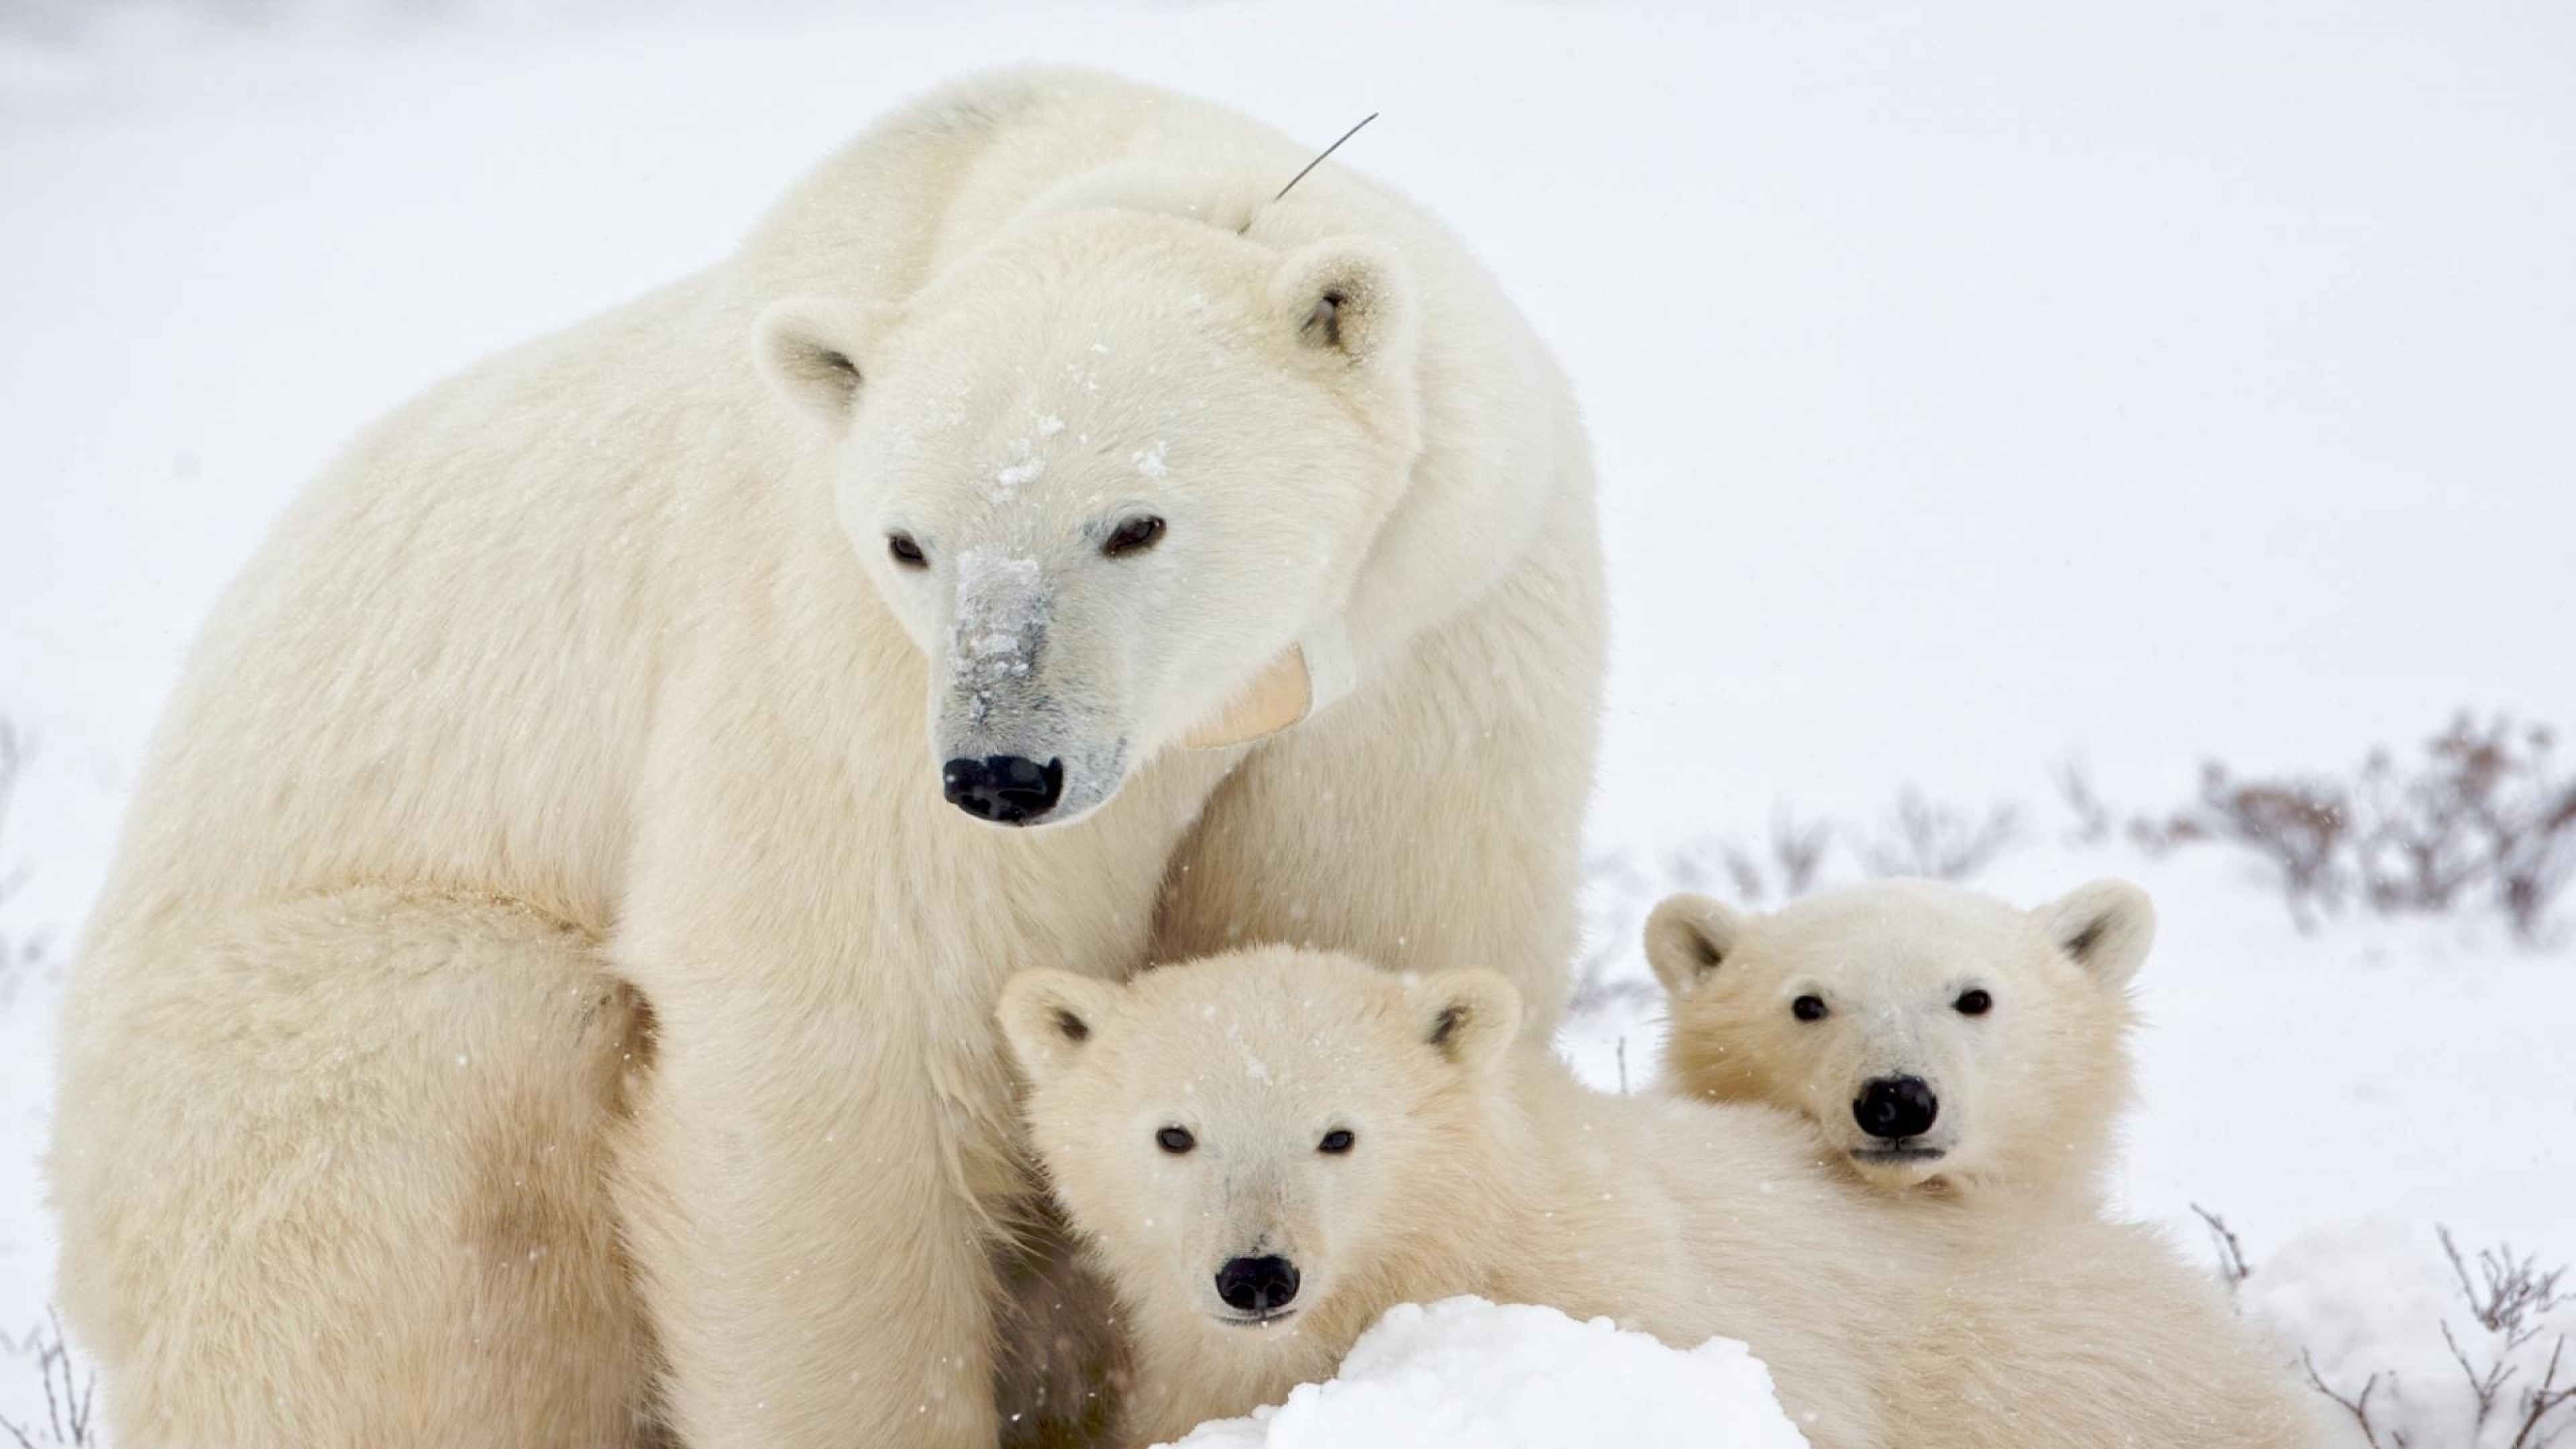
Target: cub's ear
pixel 2105 927
pixel 1467 1016
pixel 1689 936
pixel 811 351
pixel 1049 1017
pixel 1352 297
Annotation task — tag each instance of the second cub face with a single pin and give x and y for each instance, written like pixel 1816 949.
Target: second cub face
pixel 1930 1032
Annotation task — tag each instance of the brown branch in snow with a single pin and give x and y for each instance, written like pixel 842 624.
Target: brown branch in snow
pixel 2359 1408
pixel 2541 1400
pixel 2231 1253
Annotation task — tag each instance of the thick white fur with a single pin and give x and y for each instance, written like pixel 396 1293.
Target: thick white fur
pixel 587 679
pixel 1480 1166
pixel 2030 1092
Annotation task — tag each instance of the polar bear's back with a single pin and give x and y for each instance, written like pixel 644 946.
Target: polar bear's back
pixel 929 181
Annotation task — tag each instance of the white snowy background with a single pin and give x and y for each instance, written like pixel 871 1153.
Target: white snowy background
pixel 1976 388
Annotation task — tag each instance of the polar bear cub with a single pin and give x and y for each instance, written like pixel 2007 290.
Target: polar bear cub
pixel 1265 1151
pixel 1943 1041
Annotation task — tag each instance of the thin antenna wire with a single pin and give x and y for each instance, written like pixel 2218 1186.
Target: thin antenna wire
pixel 1319 160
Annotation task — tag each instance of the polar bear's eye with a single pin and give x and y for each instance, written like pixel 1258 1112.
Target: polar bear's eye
pixel 1808 1008
pixel 1337 1141
pixel 906 552
pixel 1175 1140
pixel 1974 1003
pixel 1137 533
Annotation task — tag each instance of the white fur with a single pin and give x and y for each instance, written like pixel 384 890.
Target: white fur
pixel 2029 1091
pixel 1480 1166
pixel 560 787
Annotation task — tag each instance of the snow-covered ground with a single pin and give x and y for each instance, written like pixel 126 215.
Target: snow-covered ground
pixel 1975 386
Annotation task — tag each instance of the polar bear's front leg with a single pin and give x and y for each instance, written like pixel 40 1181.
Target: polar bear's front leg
pixel 816 1274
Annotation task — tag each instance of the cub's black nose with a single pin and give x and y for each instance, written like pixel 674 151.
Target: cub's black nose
pixel 1005 789
pixel 1896 1107
pixel 1256 1285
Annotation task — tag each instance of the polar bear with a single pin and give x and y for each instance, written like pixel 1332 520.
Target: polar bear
pixel 572 882
pixel 1267 1150
pixel 1942 1041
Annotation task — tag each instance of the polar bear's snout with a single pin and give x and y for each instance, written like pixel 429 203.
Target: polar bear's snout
pixel 1029 718
pixel 1258 1288
pixel 1893 1109
pixel 1005 789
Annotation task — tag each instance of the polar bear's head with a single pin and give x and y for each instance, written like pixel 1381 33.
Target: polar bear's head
pixel 1255 1137
pixel 1109 470
pixel 1934 1034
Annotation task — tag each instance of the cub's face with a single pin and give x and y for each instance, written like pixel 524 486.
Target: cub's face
pixel 1240 1137
pixel 1107 473
pixel 1928 1031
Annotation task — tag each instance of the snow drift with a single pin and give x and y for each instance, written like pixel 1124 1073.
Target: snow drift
pixel 1476 1375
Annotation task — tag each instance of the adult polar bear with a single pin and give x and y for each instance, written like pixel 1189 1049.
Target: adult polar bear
pixel 541 950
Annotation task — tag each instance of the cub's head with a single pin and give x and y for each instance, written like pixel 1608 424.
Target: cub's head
pixel 1249 1139
pixel 1933 1034
pixel 1111 472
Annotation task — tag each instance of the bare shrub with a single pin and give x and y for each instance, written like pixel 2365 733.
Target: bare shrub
pixel 71 1394
pixel 20 954
pixel 2510 1293
pixel 1938 841
pixel 2517 1399
pixel 2232 1266
pixel 2298 822
pixel 2486 816
pixel 2358 1406
pixel 1781 866
pixel 2094 820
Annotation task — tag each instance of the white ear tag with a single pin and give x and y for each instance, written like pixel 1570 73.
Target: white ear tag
pixel 1312 673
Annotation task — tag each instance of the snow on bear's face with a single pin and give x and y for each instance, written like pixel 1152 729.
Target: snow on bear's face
pixel 1931 1032
pixel 1245 1137
pixel 1108 471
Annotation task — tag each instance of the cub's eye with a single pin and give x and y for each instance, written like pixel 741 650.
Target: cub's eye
pixel 1175 1140
pixel 1133 536
pixel 1808 1008
pixel 906 552
pixel 1337 1141
pixel 1974 1003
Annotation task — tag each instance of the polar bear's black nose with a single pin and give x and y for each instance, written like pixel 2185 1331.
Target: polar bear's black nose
pixel 1256 1285
pixel 1896 1107
pixel 1005 789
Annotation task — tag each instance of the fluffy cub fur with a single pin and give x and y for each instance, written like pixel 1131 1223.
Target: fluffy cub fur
pixel 1942 1041
pixel 1265 1151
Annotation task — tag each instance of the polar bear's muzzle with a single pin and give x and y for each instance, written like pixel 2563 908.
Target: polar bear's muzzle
pixel 1005 789
pixel 1015 780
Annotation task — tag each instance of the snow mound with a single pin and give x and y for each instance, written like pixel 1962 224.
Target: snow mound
pixel 1464 1372
pixel 2379 1311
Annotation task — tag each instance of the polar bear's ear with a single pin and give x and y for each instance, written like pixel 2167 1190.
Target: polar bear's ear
pixel 1689 936
pixel 1350 296
pixel 2105 927
pixel 1468 1016
pixel 1049 1016
pixel 809 350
